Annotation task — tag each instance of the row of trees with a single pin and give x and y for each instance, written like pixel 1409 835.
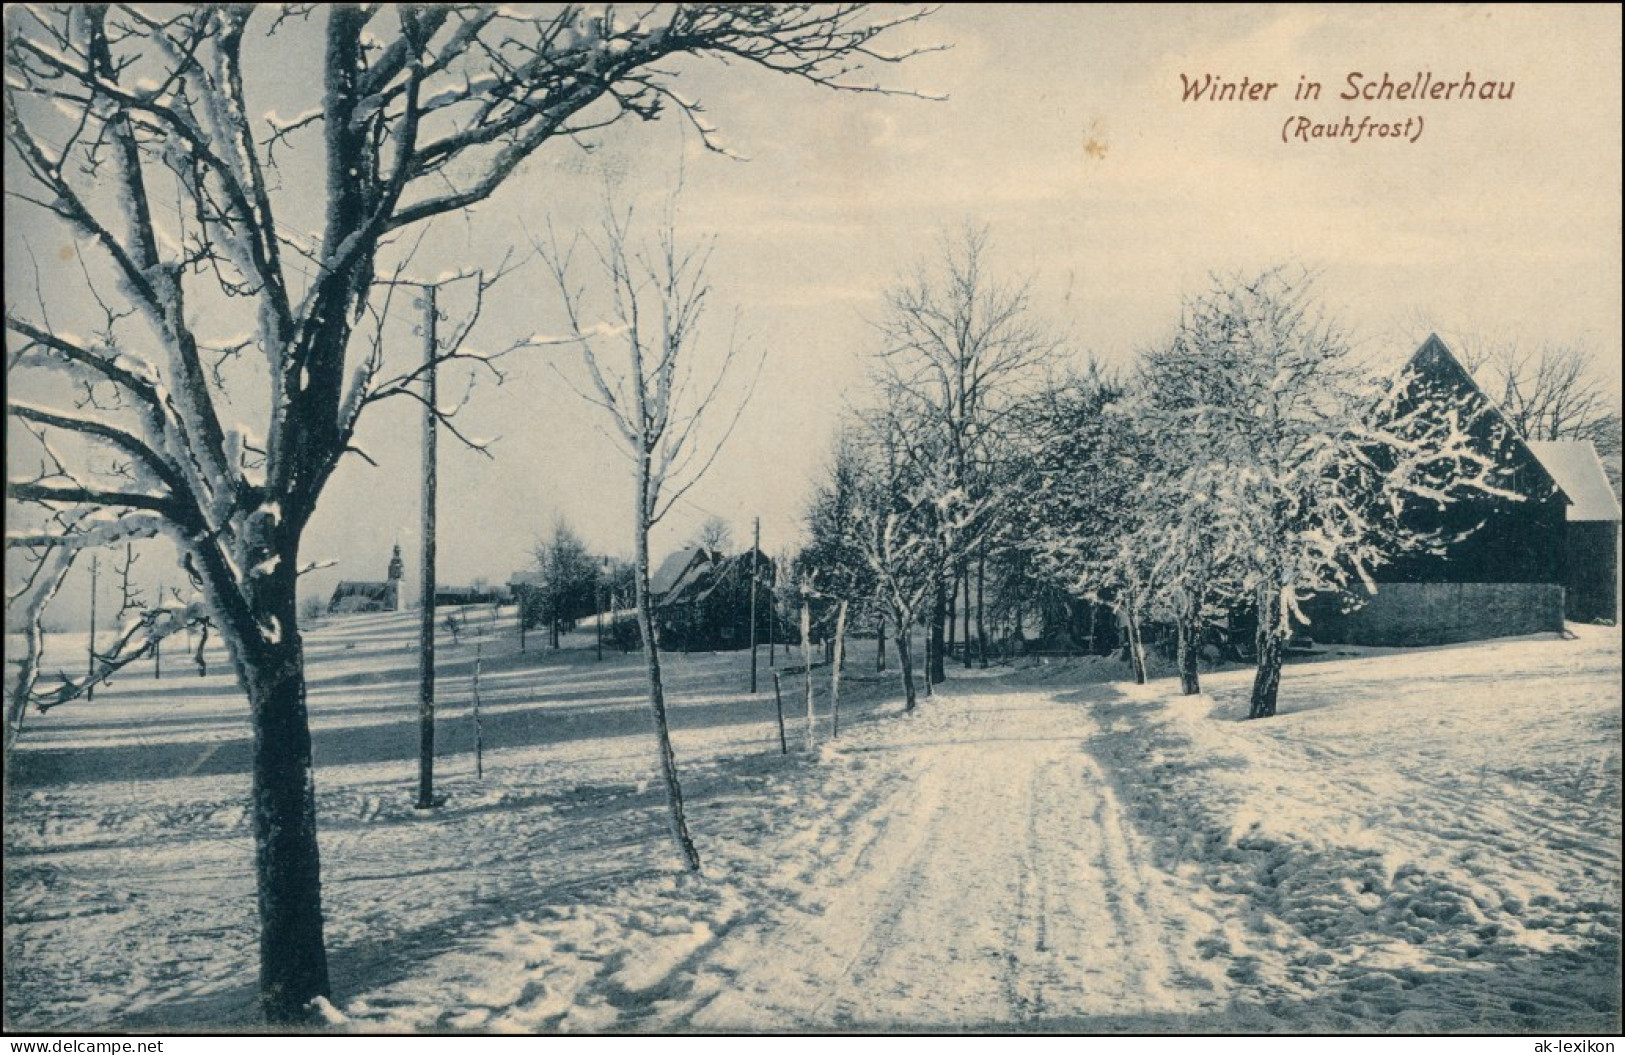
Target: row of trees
pixel 1246 464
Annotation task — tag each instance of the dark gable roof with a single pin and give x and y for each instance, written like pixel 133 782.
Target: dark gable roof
pixel 1435 362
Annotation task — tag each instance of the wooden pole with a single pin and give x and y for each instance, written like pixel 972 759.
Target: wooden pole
pixel 604 569
pixel 755 548
pixel 157 647
pixel 835 674
pixel 90 645
pixel 778 700
pixel 426 622
pixel 479 732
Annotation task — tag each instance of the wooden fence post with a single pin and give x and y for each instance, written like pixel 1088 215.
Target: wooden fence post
pixel 479 733
pixel 778 700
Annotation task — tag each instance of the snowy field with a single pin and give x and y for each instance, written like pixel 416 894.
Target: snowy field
pixel 1423 840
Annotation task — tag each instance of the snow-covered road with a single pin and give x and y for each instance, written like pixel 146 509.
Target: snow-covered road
pixel 1002 890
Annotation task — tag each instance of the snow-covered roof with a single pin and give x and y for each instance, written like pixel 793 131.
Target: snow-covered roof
pixel 675 568
pixel 1578 471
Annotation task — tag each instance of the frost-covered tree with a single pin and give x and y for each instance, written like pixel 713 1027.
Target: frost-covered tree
pixel 833 562
pixel 897 514
pixel 1175 406
pixel 1087 500
pixel 133 133
pixel 1308 462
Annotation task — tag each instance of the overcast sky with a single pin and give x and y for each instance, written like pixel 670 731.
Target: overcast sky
pixel 1064 132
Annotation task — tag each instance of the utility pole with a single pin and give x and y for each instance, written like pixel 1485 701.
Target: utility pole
pixel 426 626
pixel 479 732
pixel 90 648
pixel 603 573
pixel 755 549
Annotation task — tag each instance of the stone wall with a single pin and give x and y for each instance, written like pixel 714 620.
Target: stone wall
pixel 1439 613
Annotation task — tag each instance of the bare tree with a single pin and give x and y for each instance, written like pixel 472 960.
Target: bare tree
pixel 959 348
pixel 715 535
pixel 1551 393
pixel 129 129
pixel 638 329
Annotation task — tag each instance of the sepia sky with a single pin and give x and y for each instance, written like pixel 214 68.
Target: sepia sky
pixel 1064 132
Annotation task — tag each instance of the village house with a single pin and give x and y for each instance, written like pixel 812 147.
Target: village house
pixel 1503 566
pixel 702 599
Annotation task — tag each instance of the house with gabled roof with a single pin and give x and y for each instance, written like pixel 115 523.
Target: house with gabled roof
pixel 1501 566
pixel 702 598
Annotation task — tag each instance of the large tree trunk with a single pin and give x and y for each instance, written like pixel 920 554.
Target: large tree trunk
pixel 657 699
pixel 925 634
pixel 1136 644
pixel 906 662
pixel 964 578
pixel 293 955
pixel 949 621
pixel 835 671
pixel 1189 627
pixel 807 668
pixel 981 612
pixel 1271 650
pixel 269 657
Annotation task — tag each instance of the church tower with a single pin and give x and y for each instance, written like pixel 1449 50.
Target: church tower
pixel 396 570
